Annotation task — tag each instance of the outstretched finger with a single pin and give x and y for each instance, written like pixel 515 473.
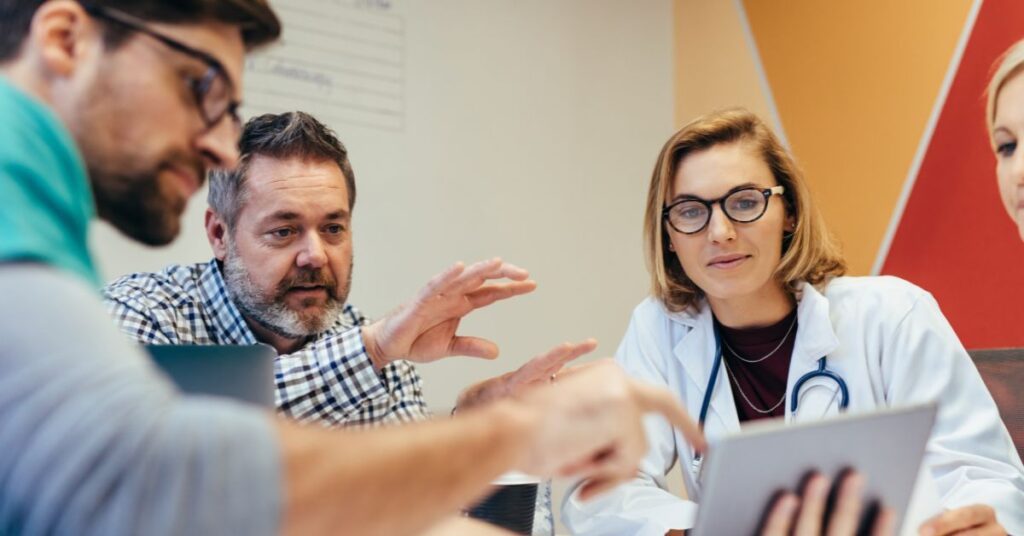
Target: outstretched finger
pixel 538 366
pixel 475 275
pixel 659 400
pixel 478 274
pixel 440 282
pixel 508 270
pixel 542 367
pixel 473 347
pixel 489 294
pixel 583 368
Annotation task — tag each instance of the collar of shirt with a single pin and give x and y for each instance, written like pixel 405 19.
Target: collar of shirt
pixel 48 201
pixel 228 322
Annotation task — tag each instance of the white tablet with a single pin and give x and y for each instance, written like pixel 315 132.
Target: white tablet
pixel 744 472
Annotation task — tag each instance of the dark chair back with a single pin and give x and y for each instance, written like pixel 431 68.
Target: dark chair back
pixel 1003 373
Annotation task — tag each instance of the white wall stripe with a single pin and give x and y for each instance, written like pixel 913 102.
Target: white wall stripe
pixel 766 88
pixel 926 139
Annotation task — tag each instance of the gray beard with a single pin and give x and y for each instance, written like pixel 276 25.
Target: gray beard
pixel 271 312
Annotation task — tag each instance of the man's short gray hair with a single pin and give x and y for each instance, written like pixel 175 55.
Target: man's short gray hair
pixel 278 136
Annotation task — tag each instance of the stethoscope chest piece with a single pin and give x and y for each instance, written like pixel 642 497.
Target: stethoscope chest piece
pixel 823 372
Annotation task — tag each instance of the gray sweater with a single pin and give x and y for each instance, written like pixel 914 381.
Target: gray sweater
pixel 94 441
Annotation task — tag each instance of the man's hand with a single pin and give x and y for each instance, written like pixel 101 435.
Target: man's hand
pixel 425 329
pixel 589 425
pixel 976 519
pixel 539 370
pixel 806 516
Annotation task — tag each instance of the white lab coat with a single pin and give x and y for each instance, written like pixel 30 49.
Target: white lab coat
pixel 884 336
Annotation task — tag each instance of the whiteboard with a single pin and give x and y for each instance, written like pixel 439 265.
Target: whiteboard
pixel 343 61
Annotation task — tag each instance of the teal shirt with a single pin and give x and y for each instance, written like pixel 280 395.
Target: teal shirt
pixel 46 202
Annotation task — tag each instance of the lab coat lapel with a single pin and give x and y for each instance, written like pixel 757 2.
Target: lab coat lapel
pixel 696 352
pixel 815 338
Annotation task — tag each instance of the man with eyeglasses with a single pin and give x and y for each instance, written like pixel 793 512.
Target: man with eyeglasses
pixel 119 108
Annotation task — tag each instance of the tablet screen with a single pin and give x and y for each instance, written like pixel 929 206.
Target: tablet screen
pixel 745 471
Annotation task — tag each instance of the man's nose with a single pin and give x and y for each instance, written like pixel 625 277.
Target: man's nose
pixel 313 254
pixel 219 144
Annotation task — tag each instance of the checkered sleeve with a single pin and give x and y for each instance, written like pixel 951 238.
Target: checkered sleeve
pixel 406 402
pixel 135 318
pixel 332 381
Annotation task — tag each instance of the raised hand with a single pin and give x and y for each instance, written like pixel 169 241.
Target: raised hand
pixel 425 329
pixel 541 369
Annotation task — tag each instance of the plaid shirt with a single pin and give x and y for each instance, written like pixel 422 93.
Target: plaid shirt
pixel 331 380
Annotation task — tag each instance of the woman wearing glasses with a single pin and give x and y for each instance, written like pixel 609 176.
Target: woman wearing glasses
pixel 750 318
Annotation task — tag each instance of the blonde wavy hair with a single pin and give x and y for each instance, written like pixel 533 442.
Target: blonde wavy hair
pixel 810 254
pixel 1009 64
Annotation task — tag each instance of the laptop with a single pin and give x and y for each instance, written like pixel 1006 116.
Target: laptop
pixel 244 373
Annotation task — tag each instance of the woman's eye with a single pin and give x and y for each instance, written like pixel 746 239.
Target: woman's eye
pixel 1006 149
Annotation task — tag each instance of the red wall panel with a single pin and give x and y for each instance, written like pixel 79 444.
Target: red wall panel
pixel 954 238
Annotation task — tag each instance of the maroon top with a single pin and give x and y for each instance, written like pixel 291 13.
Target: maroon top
pixel 764 382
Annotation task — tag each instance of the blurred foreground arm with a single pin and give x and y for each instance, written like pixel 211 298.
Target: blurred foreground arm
pixel 96 442
pixel 404 480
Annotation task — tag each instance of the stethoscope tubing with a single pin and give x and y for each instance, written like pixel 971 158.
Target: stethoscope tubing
pixel 821 371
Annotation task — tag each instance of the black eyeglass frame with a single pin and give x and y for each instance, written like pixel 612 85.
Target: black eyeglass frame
pixel 200 87
pixel 709 203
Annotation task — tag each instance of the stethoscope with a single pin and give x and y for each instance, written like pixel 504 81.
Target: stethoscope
pixel 821 372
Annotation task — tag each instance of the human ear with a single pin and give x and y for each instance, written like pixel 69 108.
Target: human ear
pixel 216 233
pixel 62 35
pixel 790 226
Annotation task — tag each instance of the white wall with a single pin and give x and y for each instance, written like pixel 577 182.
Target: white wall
pixel 528 129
